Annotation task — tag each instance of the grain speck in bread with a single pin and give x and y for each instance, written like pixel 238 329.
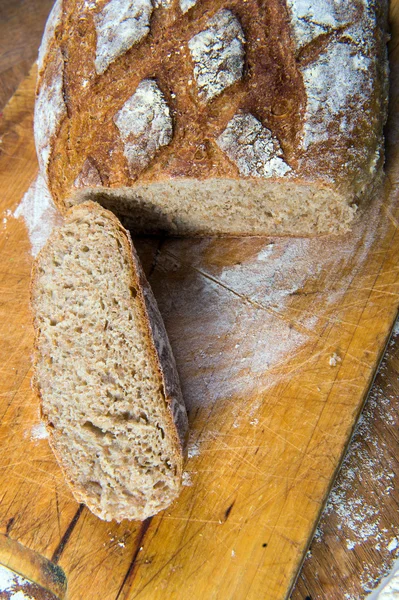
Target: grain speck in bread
pixel 265 117
pixel 104 370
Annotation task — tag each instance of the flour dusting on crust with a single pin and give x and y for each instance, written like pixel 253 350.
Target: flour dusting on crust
pixel 338 81
pixel 120 25
pixel 39 213
pixel 145 125
pixel 185 5
pixel 162 3
pixel 53 21
pixel 311 18
pixel 49 110
pixel 218 55
pixel 252 147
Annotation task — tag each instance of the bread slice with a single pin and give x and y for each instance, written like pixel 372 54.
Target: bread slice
pixel 104 370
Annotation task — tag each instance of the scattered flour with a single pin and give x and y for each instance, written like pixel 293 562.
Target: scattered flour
pixel 38 211
pixel 39 432
pixel 116 541
pixel 266 252
pixel 7 214
pixel 334 360
pixel 249 305
pixel 389 586
pixel 208 372
pixel 361 519
pixel 12 585
pixel 395 331
pixel 186 479
pixel 218 54
pixel 252 147
pixel 193 450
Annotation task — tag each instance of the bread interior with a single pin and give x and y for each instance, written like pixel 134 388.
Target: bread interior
pixel 226 207
pixel 102 393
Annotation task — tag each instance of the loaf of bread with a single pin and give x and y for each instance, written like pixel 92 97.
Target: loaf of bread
pixel 104 370
pixel 215 117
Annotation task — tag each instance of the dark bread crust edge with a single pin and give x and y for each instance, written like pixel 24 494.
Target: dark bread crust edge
pixel 163 362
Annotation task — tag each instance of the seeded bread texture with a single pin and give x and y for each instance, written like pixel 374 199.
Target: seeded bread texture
pixel 104 370
pixel 215 117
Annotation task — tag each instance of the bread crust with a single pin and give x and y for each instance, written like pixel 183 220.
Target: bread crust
pixel 281 74
pixel 163 361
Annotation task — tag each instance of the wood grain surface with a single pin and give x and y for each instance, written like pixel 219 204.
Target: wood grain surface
pixel 258 478
pixel 21 28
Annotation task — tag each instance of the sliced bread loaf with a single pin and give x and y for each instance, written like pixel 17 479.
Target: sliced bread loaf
pixel 246 117
pixel 104 370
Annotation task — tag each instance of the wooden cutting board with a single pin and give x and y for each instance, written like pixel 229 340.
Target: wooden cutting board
pixel 276 341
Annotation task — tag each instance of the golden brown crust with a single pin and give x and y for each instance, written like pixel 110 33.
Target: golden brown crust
pixel 271 72
pixel 272 89
pixel 163 363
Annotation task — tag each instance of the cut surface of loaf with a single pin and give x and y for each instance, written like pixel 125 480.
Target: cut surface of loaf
pixel 197 117
pixel 104 370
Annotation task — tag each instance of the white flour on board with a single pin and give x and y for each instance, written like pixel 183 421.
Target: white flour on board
pixel 242 316
pixel 186 479
pixel 362 518
pixel 193 449
pixel 281 269
pixel 13 585
pixel 389 586
pixel 39 213
pixel 264 286
pixel 39 432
